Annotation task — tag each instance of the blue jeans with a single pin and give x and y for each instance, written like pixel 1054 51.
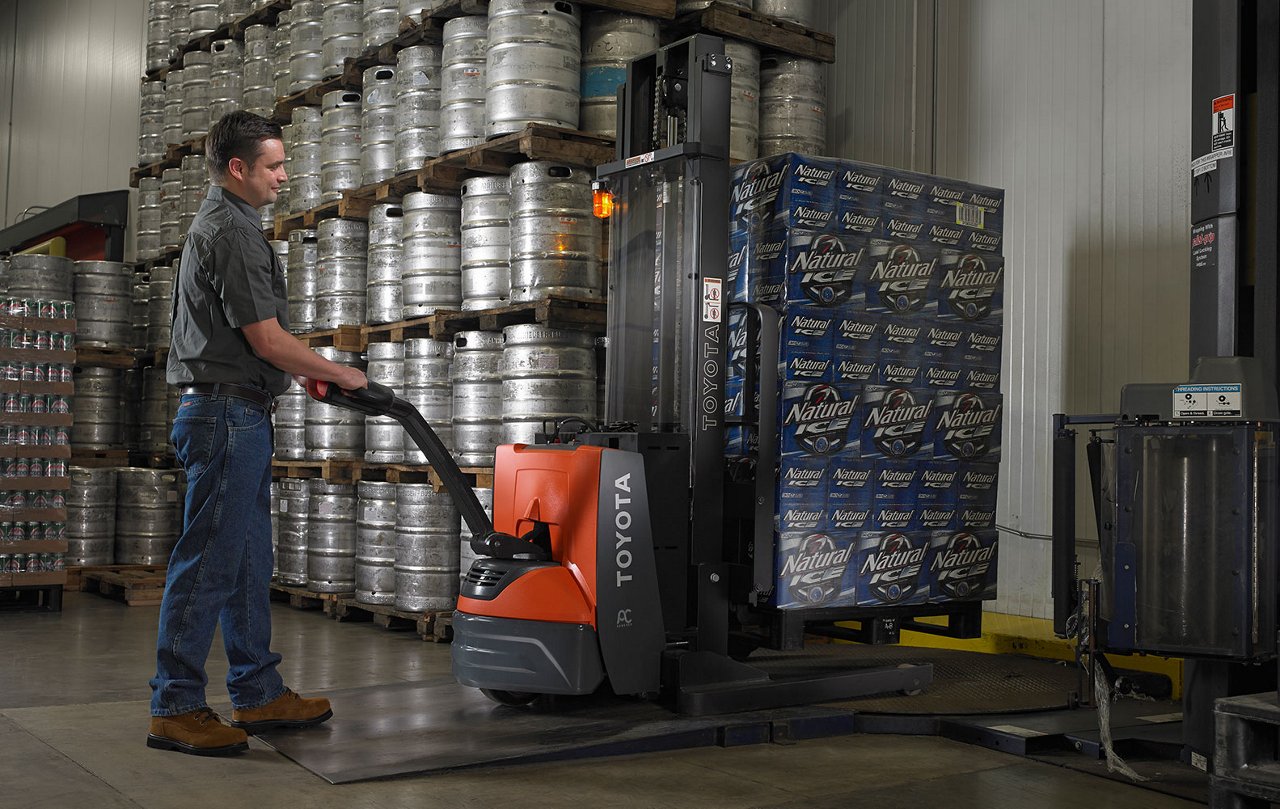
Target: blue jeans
pixel 220 570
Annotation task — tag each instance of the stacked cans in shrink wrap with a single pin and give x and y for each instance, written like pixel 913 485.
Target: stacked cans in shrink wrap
pixel 889 285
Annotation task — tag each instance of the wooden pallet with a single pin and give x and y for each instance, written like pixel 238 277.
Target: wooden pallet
pixel 75 573
pixel 333 470
pixel 432 626
pixel 770 33
pixel 448 9
pixel 153 460
pixel 350 206
pixel 123 358
pixel 99 457
pixel 300 598
pixel 343 338
pixel 445 174
pixel 141 587
pixel 581 314
pixel 266 15
pixel 351 471
pixel 172 160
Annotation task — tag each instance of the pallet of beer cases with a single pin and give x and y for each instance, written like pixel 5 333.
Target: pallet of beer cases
pixel 890 289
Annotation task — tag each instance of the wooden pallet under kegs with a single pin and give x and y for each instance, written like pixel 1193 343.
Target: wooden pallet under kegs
pixel 136 585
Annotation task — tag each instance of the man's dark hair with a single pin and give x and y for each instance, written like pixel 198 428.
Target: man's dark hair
pixel 237 134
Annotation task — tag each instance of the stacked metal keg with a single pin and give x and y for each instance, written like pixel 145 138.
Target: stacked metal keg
pixel 127 406
pixel 282 203
pixel 342 35
pixel 280 248
pixel 426 566
pixel 197 93
pixel 555 239
pixel 148 236
pixel 383 435
pixel 339 144
pixel 486 242
pixel 91 516
pixel 204 18
pixel 171 209
pixel 417 106
pixel 802 12
pixel 548 375
pixel 414 8
pixel 334 432
pixel 467 556
pixel 96 408
pixel 289 421
pixel 195 184
pixel 431 265
pixel 40 276
pixel 381 22
pixel 104 303
pixel 744 100
pixel 159 24
pixel 428 388
pixel 226 83
pixel 233 10
pixel 331 537
pixel 378 125
pixel 375 574
pixel 292 509
pixel 793 106
pixel 304 160
pixel 151 123
pixel 139 309
pixel 463 83
pixel 259 95
pixel 179 27
pixel 281 51
pixel 148 515
pixel 609 41
pixel 384 301
pixel 341 272
pixel 476 375
pixel 300 279
pixel 153 426
pixel 306 39
pixel 159 309
pixel 173 107
pixel 532 65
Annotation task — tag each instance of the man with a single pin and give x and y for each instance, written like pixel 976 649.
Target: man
pixel 231 355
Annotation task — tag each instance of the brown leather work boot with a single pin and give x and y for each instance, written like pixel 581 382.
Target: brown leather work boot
pixel 285 711
pixel 200 733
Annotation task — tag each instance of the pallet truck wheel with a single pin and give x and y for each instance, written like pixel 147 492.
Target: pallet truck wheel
pixel 909 692
pixel 516 698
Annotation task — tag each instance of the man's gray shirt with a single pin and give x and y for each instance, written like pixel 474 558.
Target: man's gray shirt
pixel 228 278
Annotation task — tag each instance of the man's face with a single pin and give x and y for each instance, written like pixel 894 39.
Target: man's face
pixel 259 182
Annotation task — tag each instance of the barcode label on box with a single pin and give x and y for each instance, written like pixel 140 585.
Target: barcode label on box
pixel 970 215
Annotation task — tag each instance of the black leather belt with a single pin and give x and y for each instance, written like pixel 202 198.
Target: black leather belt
pixel 255 395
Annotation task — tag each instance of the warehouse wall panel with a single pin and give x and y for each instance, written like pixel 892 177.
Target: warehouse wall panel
pixel 1080 111
pixel 74 103
pixel 8 16
pixel 880 87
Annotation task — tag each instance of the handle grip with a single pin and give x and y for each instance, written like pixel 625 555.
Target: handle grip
pixel 375 400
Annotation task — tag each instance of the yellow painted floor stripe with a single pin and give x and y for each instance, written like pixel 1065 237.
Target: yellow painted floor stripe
pixel 1033 637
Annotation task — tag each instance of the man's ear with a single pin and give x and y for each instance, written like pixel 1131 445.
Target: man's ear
pixel 236 171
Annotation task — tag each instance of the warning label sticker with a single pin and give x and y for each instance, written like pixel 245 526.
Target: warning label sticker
pixel 1224 122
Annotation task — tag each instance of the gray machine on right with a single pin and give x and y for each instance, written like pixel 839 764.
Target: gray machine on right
pixel 1186 477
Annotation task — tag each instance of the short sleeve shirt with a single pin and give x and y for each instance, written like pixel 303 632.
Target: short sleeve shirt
pixel 228 278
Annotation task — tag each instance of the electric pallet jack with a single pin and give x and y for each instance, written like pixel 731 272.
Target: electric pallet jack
pixel 633 554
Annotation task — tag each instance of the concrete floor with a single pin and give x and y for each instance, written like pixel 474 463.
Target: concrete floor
pixel 73 717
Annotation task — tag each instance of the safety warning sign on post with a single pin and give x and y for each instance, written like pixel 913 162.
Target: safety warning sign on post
pixel 1224 122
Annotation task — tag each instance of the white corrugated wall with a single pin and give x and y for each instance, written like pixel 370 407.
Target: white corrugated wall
pixel 69 94
pixel 1081 112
